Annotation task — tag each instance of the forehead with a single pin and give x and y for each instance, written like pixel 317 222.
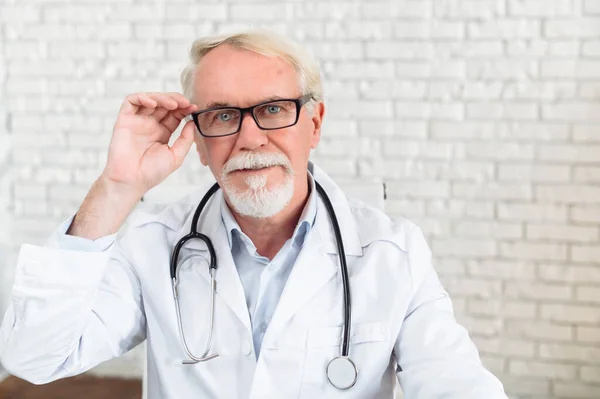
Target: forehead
pixel 241 78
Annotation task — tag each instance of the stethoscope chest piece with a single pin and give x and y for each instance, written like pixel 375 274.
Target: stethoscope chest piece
pixel 341 372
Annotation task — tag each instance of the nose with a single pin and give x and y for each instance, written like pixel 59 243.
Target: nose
pixel 251 136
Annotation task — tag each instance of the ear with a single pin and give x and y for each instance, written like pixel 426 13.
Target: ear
pixel 317 119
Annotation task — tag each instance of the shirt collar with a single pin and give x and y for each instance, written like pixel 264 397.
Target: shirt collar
pixel 305 223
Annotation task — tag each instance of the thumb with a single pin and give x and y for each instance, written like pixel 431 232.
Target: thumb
pixel 181 146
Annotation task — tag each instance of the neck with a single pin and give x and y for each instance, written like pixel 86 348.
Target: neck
pixel 270 234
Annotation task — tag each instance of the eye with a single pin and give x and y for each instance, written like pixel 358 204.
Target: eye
pixel 273 109
pixel 224 117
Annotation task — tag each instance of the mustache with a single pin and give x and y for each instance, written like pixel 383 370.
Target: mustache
pixel 256 160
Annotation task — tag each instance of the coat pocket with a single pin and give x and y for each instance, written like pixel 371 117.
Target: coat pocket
pixel 370 350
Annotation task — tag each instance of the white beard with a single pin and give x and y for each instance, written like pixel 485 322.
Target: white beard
pixel 258 201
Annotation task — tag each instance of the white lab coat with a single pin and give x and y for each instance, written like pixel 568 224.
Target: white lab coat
pixel 74 309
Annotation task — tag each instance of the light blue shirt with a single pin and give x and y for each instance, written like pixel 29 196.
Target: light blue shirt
pixel 263 279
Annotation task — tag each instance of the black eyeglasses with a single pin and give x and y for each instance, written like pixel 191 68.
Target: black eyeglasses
pixel 270 115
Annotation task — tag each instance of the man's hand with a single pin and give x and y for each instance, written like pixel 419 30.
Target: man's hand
pixel 139 158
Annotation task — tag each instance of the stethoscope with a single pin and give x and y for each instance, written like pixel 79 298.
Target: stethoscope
pixel 341 371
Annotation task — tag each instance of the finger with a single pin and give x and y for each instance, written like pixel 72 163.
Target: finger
pixel 181 146
pixel 173 118
pixel 164 100
pixel 159 113
pixel 181 100
pixel 132 103
pixel 147 104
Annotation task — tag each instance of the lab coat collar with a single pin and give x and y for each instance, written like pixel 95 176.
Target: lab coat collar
pixel 210 221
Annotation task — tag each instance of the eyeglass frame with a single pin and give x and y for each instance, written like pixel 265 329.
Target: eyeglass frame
pixel 300 102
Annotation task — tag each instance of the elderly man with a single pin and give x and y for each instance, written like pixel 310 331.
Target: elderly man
pixel 279 287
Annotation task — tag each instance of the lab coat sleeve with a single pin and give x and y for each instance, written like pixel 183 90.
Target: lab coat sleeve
pixel 75 303
pixel 435 356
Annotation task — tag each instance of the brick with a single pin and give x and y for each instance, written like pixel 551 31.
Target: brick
pixel 490 130
pixel 413 9
pixel 446 91
pixel 464 247
pixel 498 111
pixel 364 70
pixel 469 9
pixel 579 314
pixel 331 11
pixel 543 48
pixel 585 214
pixel 459 208
pixel 576 27
pixel 367 109
pixel 340 127
pixel 591 48
pixel 588 335
pixel 571 194
pixel 509 310
pixel 590 91
pixel 502 269
pixel 393 50
pixel 540 90
pixel 585 253
pixel 502 69
pixel 500 151
pixel 562 233
pixel 569 273
pixel 418 189
pixel 591 7
pixel 534 173
pixel 576 390
pixel 539 331
pixel 541 8
pixel 590 174
pixel 406 129
pixel 469 49
pixel 504 28
pixel 538 369
pixel 538 291
pixel 586 133
pixel 379 89
pixel 78 13
pixel 590 374
pixel 429 29
pixel 492 191
pixel 22 13
pixel 337 51
pixel 196 12
pixel 366 30
pixel 428 110
pixel 488 229
pixel 533 251
pixel 587 294
pixel 482 90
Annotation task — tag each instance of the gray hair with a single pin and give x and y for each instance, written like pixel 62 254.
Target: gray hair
pixel 265 43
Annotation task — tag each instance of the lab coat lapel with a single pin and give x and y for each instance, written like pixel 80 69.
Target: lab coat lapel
pixel 229 285
pixel 315 265
pixel 311 272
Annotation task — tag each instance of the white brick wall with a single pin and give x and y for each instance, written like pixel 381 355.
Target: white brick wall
pixel 482 117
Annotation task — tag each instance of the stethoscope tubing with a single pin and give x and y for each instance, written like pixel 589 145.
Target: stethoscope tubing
pixel 213 266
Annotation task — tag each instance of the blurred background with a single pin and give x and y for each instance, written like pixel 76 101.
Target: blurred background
pixel 480 116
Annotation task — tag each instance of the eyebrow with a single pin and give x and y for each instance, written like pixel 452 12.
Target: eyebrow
pixel 221 104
